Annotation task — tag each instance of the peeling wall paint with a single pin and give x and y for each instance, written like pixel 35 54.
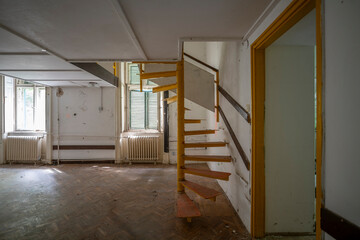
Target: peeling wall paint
pixel 84 122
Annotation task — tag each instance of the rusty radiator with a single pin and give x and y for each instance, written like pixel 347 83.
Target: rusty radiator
pixel 23 148
pixel 143 149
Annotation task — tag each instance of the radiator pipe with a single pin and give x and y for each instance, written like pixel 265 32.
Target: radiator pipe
pixel 166 123
pixel 58 130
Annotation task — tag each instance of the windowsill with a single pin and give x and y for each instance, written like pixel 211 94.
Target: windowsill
pixel 26 133
pixel 140 132
pixel 143 130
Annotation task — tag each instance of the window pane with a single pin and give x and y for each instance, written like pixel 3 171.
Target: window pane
pixel 137 110
pixel 40 109
pixel 134 74
pixel 150 83
pixel 25 108
pixel 9 104
pixel 152 110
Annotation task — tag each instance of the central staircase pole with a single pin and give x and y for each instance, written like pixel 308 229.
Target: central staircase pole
pixel 180 124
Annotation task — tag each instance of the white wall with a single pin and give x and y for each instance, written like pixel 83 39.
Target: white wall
pixel 194 79
pixel 199 88
pixel 233 61
pixel 227 58
pixel 341 166
pixel 341 127
pixel 197 112
pixel 195 49
pixel 82 122
pixel 289 139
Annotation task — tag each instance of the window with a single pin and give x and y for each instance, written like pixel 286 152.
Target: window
pixel 9 93
pixel 134 77
pixel 143 110
pixel 30 106
pixel 28 100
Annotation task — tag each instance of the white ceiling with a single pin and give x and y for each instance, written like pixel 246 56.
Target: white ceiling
pixel 108 30
pixel 74 83
pixel 33 62
pixel 21 59
pixel 10 43
pixel 81 29
pixel 51 75
pixel 159 24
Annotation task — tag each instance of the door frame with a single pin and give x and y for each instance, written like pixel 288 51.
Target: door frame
pixel 296 10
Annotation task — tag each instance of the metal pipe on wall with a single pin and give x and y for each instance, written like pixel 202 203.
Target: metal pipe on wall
pixel 166 123
pixel 58 129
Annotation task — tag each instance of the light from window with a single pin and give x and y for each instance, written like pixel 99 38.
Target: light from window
pixel 30 106
pixel 25 108
pixel 134 74
pixel 143 105
pixel 40 108
pixel 9 104
pixel 137 110
pixel 143 110
pixel 152 110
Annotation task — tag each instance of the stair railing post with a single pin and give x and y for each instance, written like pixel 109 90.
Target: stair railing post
pixel 180 124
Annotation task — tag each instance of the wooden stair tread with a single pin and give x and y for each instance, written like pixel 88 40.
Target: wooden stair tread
pixel 187 109
pixel 202 191
pixel 209 158
pixel 164 88
pixel 204 144
pixel 208 173
pixel 192 120
pixel 171 99
pixel 186 208
pixel 199 132
pixel 157 75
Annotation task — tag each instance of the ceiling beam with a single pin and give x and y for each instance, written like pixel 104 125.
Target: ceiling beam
pixel 45 50
pixel 40 70
pixel 123 19
pixel 23 53
pixel 63 80
pixel 98 71
pixel 260 19
pixel 51 80
pixel 92 68
pixel 73 60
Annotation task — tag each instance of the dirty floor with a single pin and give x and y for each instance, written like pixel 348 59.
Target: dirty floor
pixel 106 201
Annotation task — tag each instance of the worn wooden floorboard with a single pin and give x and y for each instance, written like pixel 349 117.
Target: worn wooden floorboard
pixel 95 201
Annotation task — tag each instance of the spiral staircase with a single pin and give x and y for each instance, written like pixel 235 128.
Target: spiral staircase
pixel 185 207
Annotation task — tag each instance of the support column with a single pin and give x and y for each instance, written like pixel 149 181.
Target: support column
pixel 166 123
pixel 180 124
pixel 2 125
pixel 49 130
pixel 118 114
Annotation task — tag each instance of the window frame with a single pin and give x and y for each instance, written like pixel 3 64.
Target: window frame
pixel 3 77
pixel 35 101
pixel 136 87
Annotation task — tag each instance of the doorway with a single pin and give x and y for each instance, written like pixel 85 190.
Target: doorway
pixel 294 13
pixel 289 131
